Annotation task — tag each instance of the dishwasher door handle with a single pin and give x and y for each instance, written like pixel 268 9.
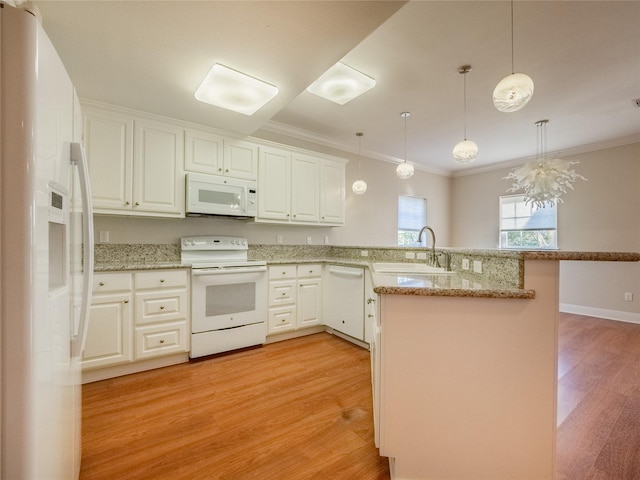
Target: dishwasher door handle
pixel 226 271
pixel 346 273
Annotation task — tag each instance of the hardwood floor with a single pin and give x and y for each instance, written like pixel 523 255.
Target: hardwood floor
pixel 258 414
pixel 299 409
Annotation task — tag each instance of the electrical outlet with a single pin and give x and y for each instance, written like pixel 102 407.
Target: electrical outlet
pixel 409 255
pixel 104 236
pixel 308 240
pixel 465 264
pixel 326 239
pixel 364 253
pixel 279 239
pixel 422 255
pixel 628 297
pixel 477 266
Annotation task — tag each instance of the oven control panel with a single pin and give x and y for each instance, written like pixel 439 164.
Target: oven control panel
pixel 210 242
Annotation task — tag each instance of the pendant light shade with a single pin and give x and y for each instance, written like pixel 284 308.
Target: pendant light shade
pixel 405 170
pixel 359 186
pixel 467 150
pixel 514 91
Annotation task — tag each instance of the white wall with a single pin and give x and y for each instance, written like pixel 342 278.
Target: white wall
pixel 601 214
pixel 371 219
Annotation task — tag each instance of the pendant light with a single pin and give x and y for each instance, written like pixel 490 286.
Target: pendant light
pixel 544 179
pixel 359 186
pixel 467 150
pixel 514 91
pixel 405 170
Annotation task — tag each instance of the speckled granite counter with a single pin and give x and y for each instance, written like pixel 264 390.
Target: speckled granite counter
pixel 502 277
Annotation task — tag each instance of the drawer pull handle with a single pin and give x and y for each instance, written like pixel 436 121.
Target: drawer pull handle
pixel 370 300
pixel 101 284
pixel 370 316
pixel 161 307
pixel 283 294
pixel 126 301
pixel 162 340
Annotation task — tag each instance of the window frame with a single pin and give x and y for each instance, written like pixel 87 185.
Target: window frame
pixel 400 231
pixel 503 233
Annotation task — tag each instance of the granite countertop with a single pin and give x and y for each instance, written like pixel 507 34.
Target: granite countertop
pixel 459 284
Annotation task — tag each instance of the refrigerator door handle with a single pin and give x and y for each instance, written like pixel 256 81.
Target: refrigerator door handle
pixel 78 158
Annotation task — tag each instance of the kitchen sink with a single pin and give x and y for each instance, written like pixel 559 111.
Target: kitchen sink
pixel 409 268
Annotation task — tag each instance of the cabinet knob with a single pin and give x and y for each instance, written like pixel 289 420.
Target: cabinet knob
pixel 370 300
pixel 283 294
pixel 161 307
pixel 162 340
pixel 137 204
pixel 162 280
pixel 101 284
pixel 126 301
pixel 127 203
pixel 370 316
pixel 227 170
pixel 220 169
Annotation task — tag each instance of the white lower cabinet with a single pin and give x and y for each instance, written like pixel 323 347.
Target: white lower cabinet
pixel 295 297
pixel 136 316
pixel 109 329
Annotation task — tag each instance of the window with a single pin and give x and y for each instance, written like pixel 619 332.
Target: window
pixel 412 216
pixel 526 226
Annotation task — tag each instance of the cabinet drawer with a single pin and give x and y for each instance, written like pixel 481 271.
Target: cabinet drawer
pixel 161 279
pixel 282 272
pixel 281 293
pixel 311 270
pixel 282 319
pixel 162 339
pixel 112 282
pixel 160 307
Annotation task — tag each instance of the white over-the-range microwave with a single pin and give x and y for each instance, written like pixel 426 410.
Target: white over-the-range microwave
pixel 218 195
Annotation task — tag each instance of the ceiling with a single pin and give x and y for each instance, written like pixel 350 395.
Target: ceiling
pixel 584 57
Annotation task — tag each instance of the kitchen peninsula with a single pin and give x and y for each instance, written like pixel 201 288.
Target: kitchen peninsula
pixel 466 377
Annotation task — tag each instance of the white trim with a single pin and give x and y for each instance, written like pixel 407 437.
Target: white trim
pixel 607 314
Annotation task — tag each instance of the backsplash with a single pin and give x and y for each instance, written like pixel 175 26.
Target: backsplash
pixel 505 267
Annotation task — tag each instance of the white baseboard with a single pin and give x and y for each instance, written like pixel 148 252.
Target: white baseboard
pixel 617 315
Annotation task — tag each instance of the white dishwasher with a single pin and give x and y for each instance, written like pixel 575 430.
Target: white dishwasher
pixel 344 300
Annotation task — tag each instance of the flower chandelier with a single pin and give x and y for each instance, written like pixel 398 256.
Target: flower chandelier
pixel 543 180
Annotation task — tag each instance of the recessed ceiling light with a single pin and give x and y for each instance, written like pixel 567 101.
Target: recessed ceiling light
pixel 233 90
pixel 341 84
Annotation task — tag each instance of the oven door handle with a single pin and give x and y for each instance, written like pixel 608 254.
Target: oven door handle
pixel 221 271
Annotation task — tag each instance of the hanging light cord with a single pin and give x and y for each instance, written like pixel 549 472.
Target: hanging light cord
pixel 512 63
pixel 464 76
pixel 359 135
pixel 405 115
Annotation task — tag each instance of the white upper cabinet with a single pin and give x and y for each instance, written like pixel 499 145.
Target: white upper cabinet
pixel 208 152
pixel 108 141
pixel 274 184
pixel 332 192
pixel 135 164
pixel 158 179
pixel 300 187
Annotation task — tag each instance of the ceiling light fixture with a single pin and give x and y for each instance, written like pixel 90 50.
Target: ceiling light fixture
pixel 359 186
pixel 514 91
pixel 467 150
pixel 544 179
pixel 341 84
pixel 235 91
pixel 405 170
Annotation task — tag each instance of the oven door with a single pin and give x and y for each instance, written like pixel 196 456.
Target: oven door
pixel 228 298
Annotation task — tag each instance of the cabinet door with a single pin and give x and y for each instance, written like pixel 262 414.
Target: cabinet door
pixel 309 302
pixel 274 184
pixel 332 193
pixel 158 185
pixel 203 152
pixel 304 188
pixel 108 332
pixel 108 141
pixel 240 159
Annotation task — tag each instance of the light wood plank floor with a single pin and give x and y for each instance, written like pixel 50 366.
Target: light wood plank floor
pixel 301 410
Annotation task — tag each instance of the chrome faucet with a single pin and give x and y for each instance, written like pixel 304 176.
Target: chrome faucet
pixel 434 259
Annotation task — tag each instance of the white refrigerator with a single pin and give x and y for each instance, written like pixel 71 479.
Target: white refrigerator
pixel 46 255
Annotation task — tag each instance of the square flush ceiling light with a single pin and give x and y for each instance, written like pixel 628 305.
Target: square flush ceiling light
pixel 341 84
pixel 235 91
